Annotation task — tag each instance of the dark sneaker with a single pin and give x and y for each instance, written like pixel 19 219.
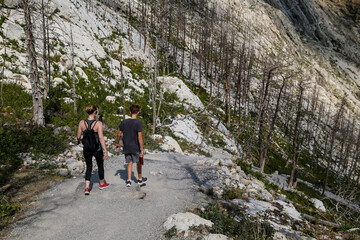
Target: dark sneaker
pixel 87 191
pixel 128 183
pixel 102 186
pixel 142 180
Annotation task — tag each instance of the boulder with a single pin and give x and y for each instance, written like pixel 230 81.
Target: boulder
pixel 279 236
pixel 183 221
pixel 63 172
pixel 215 237
pixel 76 168
pixel 318 204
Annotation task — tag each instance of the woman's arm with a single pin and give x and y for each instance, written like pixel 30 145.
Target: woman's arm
pixel 78 135
pixel 102 140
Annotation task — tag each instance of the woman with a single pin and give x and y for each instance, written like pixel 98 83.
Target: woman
pixel 93 130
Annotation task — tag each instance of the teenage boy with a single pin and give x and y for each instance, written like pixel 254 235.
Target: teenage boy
pixel 133 145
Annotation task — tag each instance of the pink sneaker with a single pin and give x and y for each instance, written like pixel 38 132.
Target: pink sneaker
pixel 102 186
pixel 87 191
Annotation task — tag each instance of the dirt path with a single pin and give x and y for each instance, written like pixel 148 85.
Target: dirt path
pixel 117 212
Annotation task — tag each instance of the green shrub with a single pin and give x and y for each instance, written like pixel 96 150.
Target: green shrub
pixel 241 228
pixel 232 193
pixel 171 232
pixel 244 166
pixel 15 140
pixel 7 210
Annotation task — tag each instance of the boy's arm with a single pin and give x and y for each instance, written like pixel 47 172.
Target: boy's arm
pixel 141 142
pixel 118 140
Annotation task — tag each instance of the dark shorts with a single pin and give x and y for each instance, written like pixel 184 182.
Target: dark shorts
pixel 132 157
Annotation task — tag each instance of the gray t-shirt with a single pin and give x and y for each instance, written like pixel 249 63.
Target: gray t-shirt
pixel 130 129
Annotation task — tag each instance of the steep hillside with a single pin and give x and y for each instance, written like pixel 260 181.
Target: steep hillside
pixel 275 84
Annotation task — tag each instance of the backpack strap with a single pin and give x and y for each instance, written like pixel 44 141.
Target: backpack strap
pixel 94 124
pixel 89 125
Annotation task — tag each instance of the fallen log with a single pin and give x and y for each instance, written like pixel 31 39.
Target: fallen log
pixel 327 223
pixel 4 188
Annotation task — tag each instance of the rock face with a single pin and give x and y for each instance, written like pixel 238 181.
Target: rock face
pixel 13 3
pixel 326 21
pixel 183 221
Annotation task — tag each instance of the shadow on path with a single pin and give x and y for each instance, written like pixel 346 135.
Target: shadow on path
pixel 190 170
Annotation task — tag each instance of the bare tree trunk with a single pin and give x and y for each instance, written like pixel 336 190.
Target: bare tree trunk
pixel 332 142
pixel 122 84
pixel 73 70
pixel 2 74
pixel 48 55
pixel 37 92
pixel 154 89
pixel 45 58
pixel 272 126
pixel 263 103
pixel 295 145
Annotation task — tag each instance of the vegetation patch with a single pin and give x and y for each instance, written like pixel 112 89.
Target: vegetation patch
pixel 25 187
pixel 234 224
pixel 15 140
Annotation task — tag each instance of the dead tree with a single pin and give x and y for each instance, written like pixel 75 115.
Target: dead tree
pixel 267 77
pixel 335 129
pixel 122 84
pixel 154 91
pixel 45 46
pixel 73 70
pixel 273 122
pixel 37 91
pixel 2 74
pixel 295 144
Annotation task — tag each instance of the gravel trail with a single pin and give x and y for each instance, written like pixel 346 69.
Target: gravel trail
pixel 117 212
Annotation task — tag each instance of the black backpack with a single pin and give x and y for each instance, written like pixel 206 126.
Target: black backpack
pixel 90 139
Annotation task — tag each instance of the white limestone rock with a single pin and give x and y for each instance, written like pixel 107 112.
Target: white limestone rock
pixel 176 85
pixel 168 143
pixel 63 171
pixel 76 168
pixel 279 236
pixel 318 204
pixel 13 3
pixel 187 129
pixel 13 31
pixel 216 237
pixel 183 221
pixel 110 99
pixel 57 81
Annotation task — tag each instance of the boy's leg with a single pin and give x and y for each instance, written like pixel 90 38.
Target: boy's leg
pixel 129 170
pixel 139 169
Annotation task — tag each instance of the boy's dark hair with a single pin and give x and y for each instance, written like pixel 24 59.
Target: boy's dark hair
pixel 134 109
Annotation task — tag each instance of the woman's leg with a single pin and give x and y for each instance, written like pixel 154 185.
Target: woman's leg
pixel 100 164
pixel 88 161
